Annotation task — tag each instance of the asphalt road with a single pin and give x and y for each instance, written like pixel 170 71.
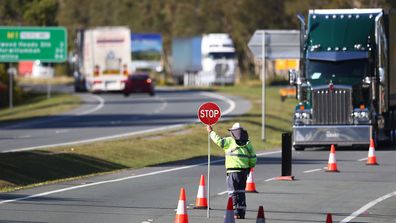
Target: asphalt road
pixel 358 193
pixel 151 194
pixel 107 116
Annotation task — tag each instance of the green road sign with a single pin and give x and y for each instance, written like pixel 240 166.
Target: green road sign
pixel 47 44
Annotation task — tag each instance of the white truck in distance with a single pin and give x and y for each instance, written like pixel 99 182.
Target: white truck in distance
pixel 103 59
pixel 204 60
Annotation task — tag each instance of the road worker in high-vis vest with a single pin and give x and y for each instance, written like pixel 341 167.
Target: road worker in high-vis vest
pixel 239 158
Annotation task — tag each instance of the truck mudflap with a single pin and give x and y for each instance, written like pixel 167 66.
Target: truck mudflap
pixel 326 135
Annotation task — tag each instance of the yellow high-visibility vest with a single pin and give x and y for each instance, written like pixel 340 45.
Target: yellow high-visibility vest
pixel 236 157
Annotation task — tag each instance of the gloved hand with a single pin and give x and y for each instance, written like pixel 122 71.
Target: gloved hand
pixel 209 128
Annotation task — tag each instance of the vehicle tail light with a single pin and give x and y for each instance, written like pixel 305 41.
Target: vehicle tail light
pixel 125 70
pixel 148 81
pixel 97 82
pixel 96 71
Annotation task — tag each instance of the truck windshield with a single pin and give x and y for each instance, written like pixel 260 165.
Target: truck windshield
pixel 220 55
pixel 329 69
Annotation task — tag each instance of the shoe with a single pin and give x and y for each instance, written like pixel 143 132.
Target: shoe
pixel 239 217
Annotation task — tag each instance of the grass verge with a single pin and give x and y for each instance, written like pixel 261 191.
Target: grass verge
pixel 61 80
pixel 37 105
pixel 29 168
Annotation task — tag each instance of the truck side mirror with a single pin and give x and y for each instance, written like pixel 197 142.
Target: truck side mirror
pixel 366 82
pixel 381 73
pixel 292 77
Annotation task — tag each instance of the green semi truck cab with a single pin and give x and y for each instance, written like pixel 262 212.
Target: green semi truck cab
pixel 346 86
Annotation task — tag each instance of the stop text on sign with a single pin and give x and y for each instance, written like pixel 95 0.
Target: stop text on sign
pixel 209 113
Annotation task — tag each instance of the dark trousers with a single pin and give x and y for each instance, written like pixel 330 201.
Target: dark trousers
pixel 236 184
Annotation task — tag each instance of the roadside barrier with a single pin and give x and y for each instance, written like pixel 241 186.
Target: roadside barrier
pixel 332 165
pixel 260 215
pixel 286 158
pixel 201 202
pixel 329 219
pixel 229 215
pixel 372 159
pixel 181 213
pixel 250 185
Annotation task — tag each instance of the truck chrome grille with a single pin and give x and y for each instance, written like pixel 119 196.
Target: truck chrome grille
pixel 332 107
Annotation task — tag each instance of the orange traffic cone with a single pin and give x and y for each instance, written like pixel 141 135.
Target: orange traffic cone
pixel 260 215
pixel 181 213
pixel 229 215
pixel 332 165
pixel 329 219
pixel 201 202
pixel 250 185
pixel 372 159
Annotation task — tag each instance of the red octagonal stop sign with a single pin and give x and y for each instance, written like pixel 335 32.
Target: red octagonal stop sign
pixel 209 113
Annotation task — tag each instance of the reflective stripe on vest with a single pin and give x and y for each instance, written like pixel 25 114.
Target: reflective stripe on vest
pixel 238 155
pixel 230 152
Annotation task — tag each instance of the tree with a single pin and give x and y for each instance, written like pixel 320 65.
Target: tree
pixel 41 12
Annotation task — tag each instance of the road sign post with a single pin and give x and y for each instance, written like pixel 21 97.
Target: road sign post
pixel 11 74
pixel 209 113
pixel 11 89
pixel 273 44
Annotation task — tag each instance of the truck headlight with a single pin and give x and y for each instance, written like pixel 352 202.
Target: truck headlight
pixel 306 115
pixel 364 114
pixel 298 115
pixel 302 117
pixel 361 116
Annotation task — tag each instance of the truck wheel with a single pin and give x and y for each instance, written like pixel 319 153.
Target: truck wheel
pixel 299 148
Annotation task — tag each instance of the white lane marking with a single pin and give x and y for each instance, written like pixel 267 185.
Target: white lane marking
pixel 363 159
pixel 270 179
pixel 267 180
pixel 223 98
pixel 164 105
pixel 268 153
pixel 96 108
pixel 221 193
pixel 230 109
pixel 59 131
pixel 57 119
pixel 260 154
pixel 97 183
pixel 96 139
pixel 310 171
pixel 119 180
pixel 367 206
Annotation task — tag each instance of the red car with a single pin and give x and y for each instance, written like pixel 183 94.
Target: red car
pixel 139 82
